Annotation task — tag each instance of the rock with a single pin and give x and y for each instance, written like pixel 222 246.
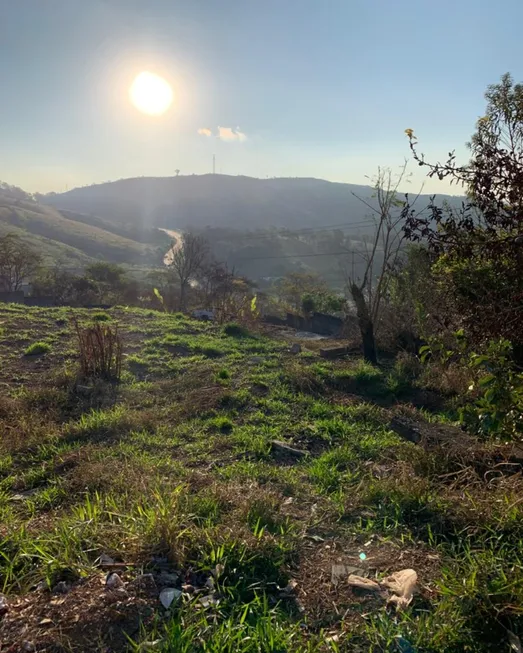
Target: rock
pixel 284 450
pixel 145 583
pixel 167 578
pixel 4 607
pixel 27 646
pixel 256 360
pixel 62 587
pixel 113 581
pixel 84 390
pixel 334 352
pixel 363 583
pixel 295 348
pixel 168 595
pixel 105 560
pixel 188 589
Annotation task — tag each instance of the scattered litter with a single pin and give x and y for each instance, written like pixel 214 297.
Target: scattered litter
pixel 22 496
pixel 368 543
pixel 338 573
pixel 514 641
pixel 285 450
pixel 403 645
pixel 288 501
pixel 209 600
pixel 295 348
pixel 113 581
pixel 363 556
pixel 218 571
pixel 403 584
pixel 4 608
pixel 45 622
pixel 168 595
pixel 363 583
pixel 150 646
pixel 315 538
pixel 289 589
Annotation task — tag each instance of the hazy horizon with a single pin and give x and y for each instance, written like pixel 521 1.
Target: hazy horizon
pixel 294 89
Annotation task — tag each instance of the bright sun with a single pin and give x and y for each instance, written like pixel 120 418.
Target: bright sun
pixel 151 94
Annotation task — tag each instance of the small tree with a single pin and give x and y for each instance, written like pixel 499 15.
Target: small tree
pixel 187 262
pixel 479 248
pixel 380 256
pixel 18 262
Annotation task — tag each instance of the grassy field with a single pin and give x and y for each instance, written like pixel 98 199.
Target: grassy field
pixel 174 478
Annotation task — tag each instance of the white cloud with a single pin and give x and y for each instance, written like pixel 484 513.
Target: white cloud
pixel 229 134
pixel 204 131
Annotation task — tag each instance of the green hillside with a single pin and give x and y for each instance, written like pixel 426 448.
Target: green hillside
pixel 71 239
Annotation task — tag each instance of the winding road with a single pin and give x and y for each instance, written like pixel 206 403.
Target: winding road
pixel 178 241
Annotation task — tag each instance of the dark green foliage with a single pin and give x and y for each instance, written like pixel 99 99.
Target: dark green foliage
pixel 234 330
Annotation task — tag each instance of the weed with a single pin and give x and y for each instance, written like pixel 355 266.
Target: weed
pixel 37 348
pixel 223 424
pixel 100 349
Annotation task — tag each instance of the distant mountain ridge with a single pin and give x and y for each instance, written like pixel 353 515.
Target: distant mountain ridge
pixel 244 203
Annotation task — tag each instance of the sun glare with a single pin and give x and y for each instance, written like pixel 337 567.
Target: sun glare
pixel 151 94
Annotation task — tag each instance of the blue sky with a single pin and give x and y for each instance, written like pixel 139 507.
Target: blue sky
pixel 319 88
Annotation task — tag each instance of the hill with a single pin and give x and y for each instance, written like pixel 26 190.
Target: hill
pixel 72 239
pixel 243 203
pixel 264 494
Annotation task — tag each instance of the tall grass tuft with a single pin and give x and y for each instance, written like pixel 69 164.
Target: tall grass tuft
pixel 100 348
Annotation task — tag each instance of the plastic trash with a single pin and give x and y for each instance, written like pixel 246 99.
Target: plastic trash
pixel 403 584
pixel 168 596
pixel 363 583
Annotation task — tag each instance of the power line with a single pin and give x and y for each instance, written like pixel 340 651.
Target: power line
pixel 263 258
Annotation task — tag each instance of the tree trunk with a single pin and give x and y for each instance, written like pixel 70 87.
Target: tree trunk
pixel 365 324
pixel 183 292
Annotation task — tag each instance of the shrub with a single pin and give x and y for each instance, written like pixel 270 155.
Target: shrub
pixel 100 349
pixel 224 374
pixel 37 348
pixel 223 424
pixel 235 330
pixel 101 317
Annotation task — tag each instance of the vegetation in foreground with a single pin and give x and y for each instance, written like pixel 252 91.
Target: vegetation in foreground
pixel 171 479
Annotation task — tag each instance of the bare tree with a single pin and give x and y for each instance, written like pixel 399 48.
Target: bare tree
pixel 18 262
pixel 187 261
pixel 380 255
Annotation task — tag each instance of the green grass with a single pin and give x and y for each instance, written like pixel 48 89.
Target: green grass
pixel 37 348
pixel 177 463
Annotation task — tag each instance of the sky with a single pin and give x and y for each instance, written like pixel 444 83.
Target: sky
pixel 291 88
